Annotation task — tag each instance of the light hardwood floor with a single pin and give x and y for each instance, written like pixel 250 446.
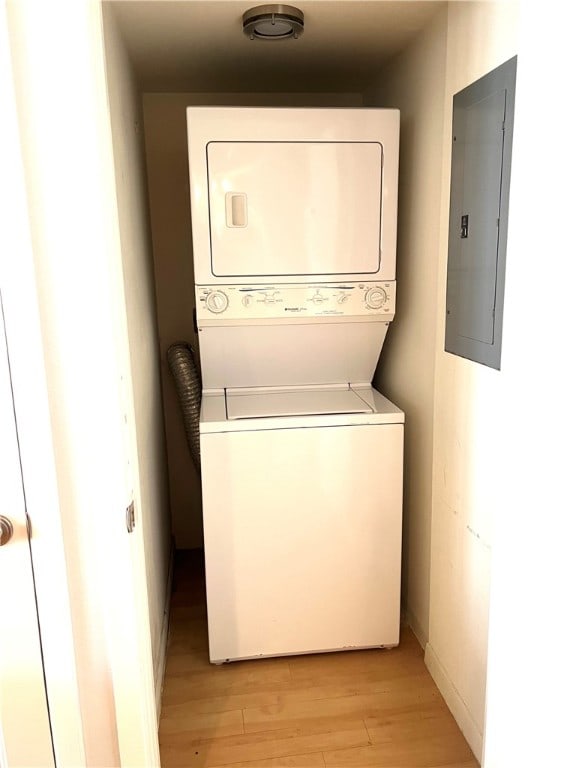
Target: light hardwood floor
pixel 335 710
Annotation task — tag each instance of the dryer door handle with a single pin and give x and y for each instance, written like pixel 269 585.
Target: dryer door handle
pixel 236 209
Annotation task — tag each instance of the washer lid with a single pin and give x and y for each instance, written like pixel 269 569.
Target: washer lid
pixel 250 404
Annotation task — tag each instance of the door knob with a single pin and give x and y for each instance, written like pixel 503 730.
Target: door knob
pixel 6 530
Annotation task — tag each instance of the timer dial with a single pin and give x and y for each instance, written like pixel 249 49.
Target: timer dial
pixel 375 297
pixel 216 302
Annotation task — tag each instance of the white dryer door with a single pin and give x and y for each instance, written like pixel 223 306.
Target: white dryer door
pixel 295 208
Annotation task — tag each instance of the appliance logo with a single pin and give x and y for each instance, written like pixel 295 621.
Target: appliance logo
pixel 295 309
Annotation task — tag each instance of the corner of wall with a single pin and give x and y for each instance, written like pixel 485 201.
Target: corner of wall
pixel 143 388
pixel 414 82
pixel 455 702
pixel 465 402
pixel 160 667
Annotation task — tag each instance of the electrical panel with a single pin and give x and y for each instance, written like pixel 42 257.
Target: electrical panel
pixel 482 125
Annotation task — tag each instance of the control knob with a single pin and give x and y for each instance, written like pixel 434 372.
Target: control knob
pixel 375 297
pixel 216 302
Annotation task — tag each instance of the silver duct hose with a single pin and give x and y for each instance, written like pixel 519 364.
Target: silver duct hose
pixel 185 372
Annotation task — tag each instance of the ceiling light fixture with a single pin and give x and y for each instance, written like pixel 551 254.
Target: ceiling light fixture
pixel 273 22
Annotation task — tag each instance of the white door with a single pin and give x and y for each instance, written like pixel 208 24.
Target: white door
pixel 295 208
pixel 25 737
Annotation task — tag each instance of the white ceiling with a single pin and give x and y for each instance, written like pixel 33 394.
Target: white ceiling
pixel 198 45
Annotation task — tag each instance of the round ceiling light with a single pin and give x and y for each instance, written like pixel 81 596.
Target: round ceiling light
pixel 273 22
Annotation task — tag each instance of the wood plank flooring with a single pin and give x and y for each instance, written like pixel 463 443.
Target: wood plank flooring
pixel 335 710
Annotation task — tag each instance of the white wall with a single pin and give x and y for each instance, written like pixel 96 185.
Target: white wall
pixel 531 661
pixel 169 194
pixel 470 425
pixel 455 425
pixel 150 470
pixel 414 82
pixel 71 243
pixel 64 123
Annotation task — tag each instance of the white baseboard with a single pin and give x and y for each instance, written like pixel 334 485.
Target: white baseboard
pixel 455 703
pixel 161 662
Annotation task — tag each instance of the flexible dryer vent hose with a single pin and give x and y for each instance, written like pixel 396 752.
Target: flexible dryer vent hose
pixel 185 372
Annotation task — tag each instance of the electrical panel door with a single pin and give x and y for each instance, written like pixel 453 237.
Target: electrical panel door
pixel 481 153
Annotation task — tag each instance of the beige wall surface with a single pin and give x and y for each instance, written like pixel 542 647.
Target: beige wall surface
pixel 531 661
pixel 169 196
pixel 469 425
pixel 150 474
pixel 414 82
pixel 68 166
pixel 451 404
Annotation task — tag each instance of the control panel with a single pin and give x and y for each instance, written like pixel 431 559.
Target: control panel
pixel 260 302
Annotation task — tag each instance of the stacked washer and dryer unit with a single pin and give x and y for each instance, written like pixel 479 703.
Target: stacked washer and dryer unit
pixel 294 235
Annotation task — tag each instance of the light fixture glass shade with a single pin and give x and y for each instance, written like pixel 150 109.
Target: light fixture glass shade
pixel 273 22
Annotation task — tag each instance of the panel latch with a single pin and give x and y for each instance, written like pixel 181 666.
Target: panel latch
pixel 130 517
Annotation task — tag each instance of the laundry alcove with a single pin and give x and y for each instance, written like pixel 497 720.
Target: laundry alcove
pixel 165 56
